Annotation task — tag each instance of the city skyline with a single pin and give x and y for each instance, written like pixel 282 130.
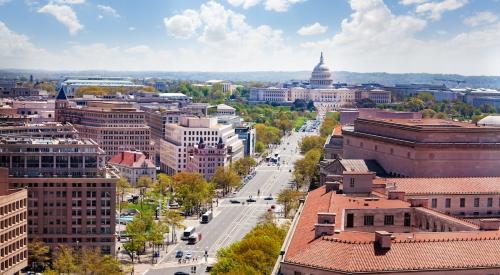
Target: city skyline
pixel 445 36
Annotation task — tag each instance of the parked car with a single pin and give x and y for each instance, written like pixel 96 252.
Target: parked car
pixel 181 273
pixel 234 201
pixel 179 254
pixel 269 198
pixel 251 200
pixel 189 255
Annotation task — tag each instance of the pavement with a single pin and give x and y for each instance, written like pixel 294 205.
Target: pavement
pixel 232 221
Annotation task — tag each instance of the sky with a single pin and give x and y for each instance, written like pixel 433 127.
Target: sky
pixel 395 36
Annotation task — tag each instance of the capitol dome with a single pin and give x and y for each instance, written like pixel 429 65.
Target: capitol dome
pixel 321 76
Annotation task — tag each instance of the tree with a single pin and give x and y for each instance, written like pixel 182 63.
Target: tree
pixel 136 230
pixel 310 106
pixel 366 103
pixel 38 254
pixel 299 105
pixel 267 134
pixel 163 185
pixel 259 147
pixel 173 219
pixel 426 97
pixel 64 260
pixel 226 178
pixel 415 104
pixel 144 182
pixel 306 169
pixel 428 113
pixel 255 254
pixel 192 190
pixel 122 185
pixel 289 198
pixel 311 142
pixel 329 123
pixel 243 166
pixel 441 115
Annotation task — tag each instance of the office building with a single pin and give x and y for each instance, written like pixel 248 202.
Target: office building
pixel 13 227
pixel 190 130
pixel 115 126
pixel 70 85
pixel 71 193
pixel 425 147
pixel 205 159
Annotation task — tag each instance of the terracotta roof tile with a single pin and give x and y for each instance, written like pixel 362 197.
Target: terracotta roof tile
pixel 420 186
pixel 131 159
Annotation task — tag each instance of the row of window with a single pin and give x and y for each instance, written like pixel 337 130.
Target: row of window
pixel 476 202
pixel 12 233
pixel 9 262
pixel 13 206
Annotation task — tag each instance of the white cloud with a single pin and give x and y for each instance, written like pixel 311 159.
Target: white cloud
pixel 271 5
pixel 64 14
pixel 434 10
pixel 280 5
pixel 99 16
pixel 3 2
pixel 244 3
pixel 313 29
pixel 411 2
pixel 108 10
pixel 131 28
pixel 70 2
pixel 480 18
pixel 183 25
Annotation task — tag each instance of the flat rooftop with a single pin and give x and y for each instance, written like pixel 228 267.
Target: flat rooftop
pixel 47 141
pixel 427 186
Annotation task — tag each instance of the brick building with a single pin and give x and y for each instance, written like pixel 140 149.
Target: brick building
pixel 205 159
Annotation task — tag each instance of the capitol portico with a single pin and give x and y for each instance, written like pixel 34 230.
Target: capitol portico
pixel 320 90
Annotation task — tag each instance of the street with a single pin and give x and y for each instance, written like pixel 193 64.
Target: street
pixel 233 220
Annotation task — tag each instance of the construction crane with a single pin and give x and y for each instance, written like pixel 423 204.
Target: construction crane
pixel 451 80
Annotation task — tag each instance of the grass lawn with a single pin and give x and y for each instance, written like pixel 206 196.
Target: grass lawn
pixel 299 122
pixel 145 207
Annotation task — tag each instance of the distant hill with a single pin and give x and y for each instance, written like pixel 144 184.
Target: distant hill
pixel 276 77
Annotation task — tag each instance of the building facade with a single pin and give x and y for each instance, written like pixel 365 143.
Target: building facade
pixel 133 165
pixel 205 159
pixel 115 126
pixel 13 227
pixel 425 147
pixel 179 138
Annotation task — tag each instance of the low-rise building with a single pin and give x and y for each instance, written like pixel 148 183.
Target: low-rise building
pixel 133 165
pixel 205 159
pixel 333 144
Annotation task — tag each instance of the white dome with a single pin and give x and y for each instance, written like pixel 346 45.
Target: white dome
pixel 321 76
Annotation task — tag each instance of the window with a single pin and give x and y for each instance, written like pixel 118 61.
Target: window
pixel 407 219
pixel 462 202
pixel 351 182
pixel 476 202
pixel 447 203
pixel 490 202
pixel 350 220
pixel 434 203
pixel 388 220
pixel 368 220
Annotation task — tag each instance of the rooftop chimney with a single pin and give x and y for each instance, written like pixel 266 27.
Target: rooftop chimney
pixel 489 224
pixel 326 218
pixel 383 239
pixel 323 230
pixel 332 186
pixel 396 195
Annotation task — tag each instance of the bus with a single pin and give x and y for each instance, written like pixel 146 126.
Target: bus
pixel 207 217
pixel 188 232
pixel 194 238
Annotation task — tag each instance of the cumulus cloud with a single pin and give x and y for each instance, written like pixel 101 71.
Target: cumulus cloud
pixel 480 18
pixel 434 10
pixel 108 10
pixel 183 25
pixel 271 5
pixel 313 29
pixel 3 2
pixel 411 2
pixel 64 14
pixel 70 2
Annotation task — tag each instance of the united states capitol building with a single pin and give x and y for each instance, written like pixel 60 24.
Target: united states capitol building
pixel 320 90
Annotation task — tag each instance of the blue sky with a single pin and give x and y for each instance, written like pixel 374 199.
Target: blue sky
pixel 435 36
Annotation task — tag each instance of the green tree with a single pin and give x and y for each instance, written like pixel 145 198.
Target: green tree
pixel 260 147
pixel 306 169
pixel 64 260
pixel 122 186
pixel 226 178
pixel 311 142
pixel 192 190
pixel 289 198
pixel 38 254
pixel 163 185
pixel 415 104
pixel 144 183
pixel 329 123
pixel 428 113
pixel 244 165
pixel 136 230
pixel 173 219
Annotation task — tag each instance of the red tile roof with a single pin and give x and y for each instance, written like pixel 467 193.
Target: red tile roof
pixel 131 159
pixel 479 251
pixel 351 251
pixel 427 186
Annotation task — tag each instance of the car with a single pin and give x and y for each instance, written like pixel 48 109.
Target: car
pixel 290 170
pixel 251 200
pixel 269 198
pixel 181 273
pixel 273 206
pixel 234 201
pixel 189 255
pixel 179 254
pixel 209 268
